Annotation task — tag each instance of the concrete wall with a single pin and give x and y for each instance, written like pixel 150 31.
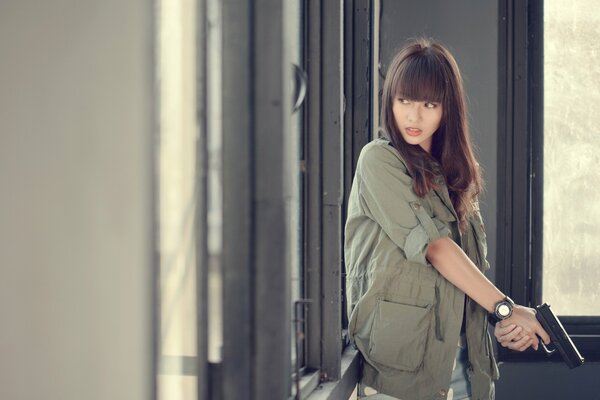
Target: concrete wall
pixel 469 30
pixel 76 244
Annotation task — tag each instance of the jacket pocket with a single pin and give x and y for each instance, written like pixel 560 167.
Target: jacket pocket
pixel 399 335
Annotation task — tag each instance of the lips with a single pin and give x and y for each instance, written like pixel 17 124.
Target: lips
pixel 413 131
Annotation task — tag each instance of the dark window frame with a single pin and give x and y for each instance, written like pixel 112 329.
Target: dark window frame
pixel 520 173
pixel 256 290
pixel 338 125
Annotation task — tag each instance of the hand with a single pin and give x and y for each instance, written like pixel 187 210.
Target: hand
pixel 524 317
pixel 510 337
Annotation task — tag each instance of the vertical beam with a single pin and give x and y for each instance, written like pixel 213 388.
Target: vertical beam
pixel 201 223
pixel 238 177
pixel 363 76
pixel 505 93
pixel 272 280
pixel 348 167
pixel 359 61
pixel 349 68
pixel 324 185
pixel 521 148
pixel 515 163
pixel 257 105
pixel 332 175
pixel 312 200
pixel 536 101
pixel 358 55
pixel 374 17
pixel 358 75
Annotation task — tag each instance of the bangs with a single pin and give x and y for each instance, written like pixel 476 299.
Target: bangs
pixel 420 78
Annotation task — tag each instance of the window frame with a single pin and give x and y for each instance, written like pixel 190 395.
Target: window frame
pixel 340 49
pixel 521 176
pixel 256 289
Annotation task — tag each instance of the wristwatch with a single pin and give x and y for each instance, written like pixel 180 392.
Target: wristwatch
pixel 502 310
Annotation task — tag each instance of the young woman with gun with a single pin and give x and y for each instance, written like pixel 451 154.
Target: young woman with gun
pixel 415 245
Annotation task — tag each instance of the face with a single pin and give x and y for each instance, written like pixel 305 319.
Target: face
pixel 417 121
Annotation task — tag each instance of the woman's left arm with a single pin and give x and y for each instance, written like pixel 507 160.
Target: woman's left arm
pixel 454 265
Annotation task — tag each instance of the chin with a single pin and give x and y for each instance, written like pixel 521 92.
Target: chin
pixel 412 141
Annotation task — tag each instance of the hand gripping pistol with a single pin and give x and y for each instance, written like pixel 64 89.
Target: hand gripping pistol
pixel 560 339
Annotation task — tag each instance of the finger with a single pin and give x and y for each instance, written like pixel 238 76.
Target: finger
pixel 539 331
pixel 507 329
pixel 525 347
pixel 503 330
pixel 513 334
pixel 544 335
pixel 526 344
pixel 528 331
pixel 514 345
pixel 535 343
pixel 522 340
pixel 521 344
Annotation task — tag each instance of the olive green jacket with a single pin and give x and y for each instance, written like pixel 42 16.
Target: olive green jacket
pixel 405 318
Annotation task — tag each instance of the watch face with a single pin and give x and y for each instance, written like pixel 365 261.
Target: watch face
pixel 503 310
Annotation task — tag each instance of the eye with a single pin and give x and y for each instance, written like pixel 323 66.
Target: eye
pixel 403 101
pixel 430 105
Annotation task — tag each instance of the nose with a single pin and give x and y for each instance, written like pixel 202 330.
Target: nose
pixel 414 112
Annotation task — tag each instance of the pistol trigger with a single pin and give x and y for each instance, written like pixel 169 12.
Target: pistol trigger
pixel 548 352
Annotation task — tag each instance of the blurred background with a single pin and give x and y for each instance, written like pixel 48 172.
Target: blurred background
pixel 174 178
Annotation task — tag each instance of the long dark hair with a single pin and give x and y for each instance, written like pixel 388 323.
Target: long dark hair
pixel 425 70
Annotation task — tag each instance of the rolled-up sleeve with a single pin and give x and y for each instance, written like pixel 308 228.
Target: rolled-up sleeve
pixel 388 199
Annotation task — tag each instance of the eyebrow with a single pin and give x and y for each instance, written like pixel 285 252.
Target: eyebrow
pixel 402 96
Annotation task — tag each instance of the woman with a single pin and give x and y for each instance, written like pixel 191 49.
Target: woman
pixel 415 245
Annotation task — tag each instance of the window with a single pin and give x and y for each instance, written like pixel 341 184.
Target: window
pixel 571 216
pixel 280 179
pixel 547 250
pixel 177 202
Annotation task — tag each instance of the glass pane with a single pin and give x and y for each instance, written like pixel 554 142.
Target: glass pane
pixel 571 281
pixel 177 200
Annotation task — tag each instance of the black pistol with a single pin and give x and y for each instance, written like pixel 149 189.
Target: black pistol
pixel 558 335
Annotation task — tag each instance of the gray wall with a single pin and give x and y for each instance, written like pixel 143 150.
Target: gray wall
pixel 76 127
pixel 470 29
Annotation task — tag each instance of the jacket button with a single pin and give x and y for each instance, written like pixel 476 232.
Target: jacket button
pixel 443 392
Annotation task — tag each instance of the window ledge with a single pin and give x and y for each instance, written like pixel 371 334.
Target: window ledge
pixel 341 389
